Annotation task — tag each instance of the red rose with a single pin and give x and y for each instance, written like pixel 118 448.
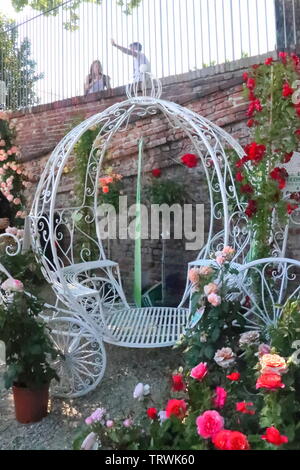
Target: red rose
pixel 247 302
pixel 251 96
pixel 234 376
pixel 246 189
pixel 291 207
pixel 274 437
pixel 177 383
pixel 230 440
pixel 297 132
pixel 255 66
pixel 255 152
pixel 152 413
pixel 280 175
pixel 251 208
pixel 287 90
pixel 221 439
pixel 295 59
pixel 176 408
pixel 239 176
pixel 287 157
pixel 238 441
pixel 241 162
pixel 250 122
pixel 269 381
pixel 105 189
pixel 190 160
pixel 242 407
pixel 156 172
pixel 245 76
pixel 295 197
pixel 283 56
pixel 281 183
pixel 269 61
pixel 250 83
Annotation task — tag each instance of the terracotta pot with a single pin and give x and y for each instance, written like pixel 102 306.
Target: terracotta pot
pixel 30 405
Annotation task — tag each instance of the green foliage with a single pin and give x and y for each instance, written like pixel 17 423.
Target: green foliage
pixel 112 197
pixel 24 266
pixel 165 192
pixel 28 346
pixel 18 68
pixel 220 325
pixel 51 7
pixel 287 329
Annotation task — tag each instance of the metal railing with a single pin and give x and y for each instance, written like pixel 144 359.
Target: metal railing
pixel 177 36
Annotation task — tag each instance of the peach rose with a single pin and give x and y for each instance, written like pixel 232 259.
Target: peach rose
pixel 194 275
pixel 205 270
pixel 273 363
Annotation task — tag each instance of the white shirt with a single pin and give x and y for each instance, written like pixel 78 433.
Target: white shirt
pixel 139 60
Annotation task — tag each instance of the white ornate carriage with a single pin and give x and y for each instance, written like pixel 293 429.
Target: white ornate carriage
pixel 91 305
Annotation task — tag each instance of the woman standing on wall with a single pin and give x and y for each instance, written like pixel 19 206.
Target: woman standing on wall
pixel 96 80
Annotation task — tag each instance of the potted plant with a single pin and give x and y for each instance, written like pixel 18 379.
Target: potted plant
pixel 28 351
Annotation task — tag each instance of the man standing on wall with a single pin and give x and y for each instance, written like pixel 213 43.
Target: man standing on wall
pixel 139 59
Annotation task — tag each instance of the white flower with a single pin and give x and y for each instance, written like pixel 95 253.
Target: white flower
pixel 224 357
pixel 140 391
pixel 203 338
pixel 90 442
pixel 162 416
pixel 12 285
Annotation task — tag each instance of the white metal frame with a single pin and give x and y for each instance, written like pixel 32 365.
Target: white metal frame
pixel 93 289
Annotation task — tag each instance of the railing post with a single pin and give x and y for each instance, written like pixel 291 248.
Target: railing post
pixel 287 14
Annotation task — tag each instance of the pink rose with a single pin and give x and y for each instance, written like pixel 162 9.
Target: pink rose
pixel 263 349
pixel 211 288
pixel 12 230
pixel 200 371
pixel 214 299
pixel 220 397
pixel 127 423
pixel 17 201
pixel 109 423
pixel 12 285
pixel 10 197
pixel 88 420
pixel 209 424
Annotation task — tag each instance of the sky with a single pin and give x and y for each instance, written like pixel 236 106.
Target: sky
pixel 177 36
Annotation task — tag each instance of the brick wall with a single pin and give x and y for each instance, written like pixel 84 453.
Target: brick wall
pixel 214 93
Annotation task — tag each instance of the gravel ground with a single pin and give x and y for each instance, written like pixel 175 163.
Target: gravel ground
pixel 125 368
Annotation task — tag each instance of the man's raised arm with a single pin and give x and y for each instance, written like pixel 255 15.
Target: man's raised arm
pixel 124 49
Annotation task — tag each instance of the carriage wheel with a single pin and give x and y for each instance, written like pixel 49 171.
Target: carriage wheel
pixel 82 358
